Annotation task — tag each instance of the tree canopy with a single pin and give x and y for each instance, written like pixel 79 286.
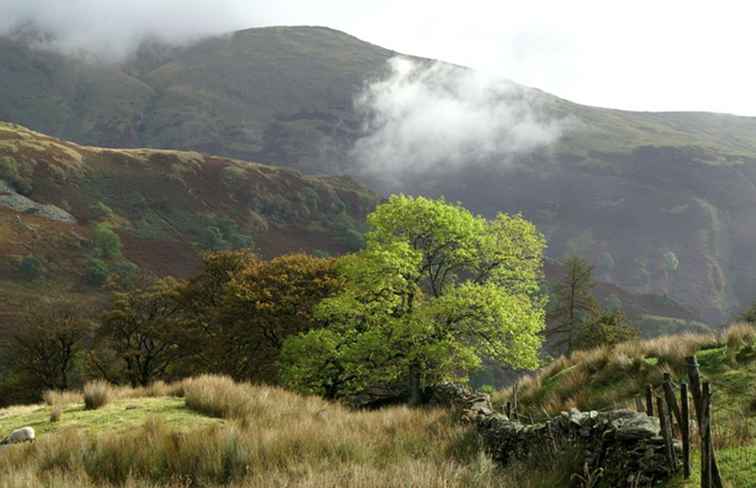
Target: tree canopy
pixel 435 290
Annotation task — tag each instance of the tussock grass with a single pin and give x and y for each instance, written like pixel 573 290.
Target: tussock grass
pixel 609 377
pixel 588 379
pixel 55 397
pixel 269 437
pixel 97 394
pixel 55 413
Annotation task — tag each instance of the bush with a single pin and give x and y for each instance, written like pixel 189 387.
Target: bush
pixel 608 329
pixel 97 272
pixel 126 273
pixel 31 267
pixel 100 211
pixel 96 394
pixel 107 242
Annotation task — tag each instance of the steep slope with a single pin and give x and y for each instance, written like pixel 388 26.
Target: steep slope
pixel 661 202
pixel 165 207
pixel 258 94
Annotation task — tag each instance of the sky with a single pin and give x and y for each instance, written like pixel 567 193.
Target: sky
pixel 640 55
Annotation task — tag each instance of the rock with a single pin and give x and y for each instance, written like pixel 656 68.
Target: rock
pixel 636 427
pixel 9 198
pixel 625 446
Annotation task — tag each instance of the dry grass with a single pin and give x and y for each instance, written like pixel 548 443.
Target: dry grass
pixel 97 394
pixel 271 438
pixel 588 379
pixel 55 397
pixel 55 413
pixel 740 335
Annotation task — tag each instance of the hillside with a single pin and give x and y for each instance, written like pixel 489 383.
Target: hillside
pixel 612 377
pixel 58 200
pixel 662 202
pixel 167 207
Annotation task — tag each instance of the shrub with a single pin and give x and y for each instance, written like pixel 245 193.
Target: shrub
pixel 31 267
pixel 100 211
pixel 97 272
pixel 106 241
pixel 126 274
pixel 96 394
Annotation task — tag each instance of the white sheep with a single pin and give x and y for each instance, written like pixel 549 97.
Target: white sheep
pixel 24 434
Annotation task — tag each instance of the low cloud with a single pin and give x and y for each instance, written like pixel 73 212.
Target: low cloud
pixel 423 117
pixel 111 30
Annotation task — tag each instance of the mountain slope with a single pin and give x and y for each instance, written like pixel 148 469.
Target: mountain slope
pixel 635 192
pixel 259 94
pixel 166 207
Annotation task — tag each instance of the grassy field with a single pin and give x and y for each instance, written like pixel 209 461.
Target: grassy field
pixel 117 417
pixel 210 431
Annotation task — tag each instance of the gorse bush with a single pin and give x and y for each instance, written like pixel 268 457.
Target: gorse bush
pixel 96 394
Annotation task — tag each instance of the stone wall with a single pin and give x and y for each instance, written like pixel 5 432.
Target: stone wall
pixel 624 448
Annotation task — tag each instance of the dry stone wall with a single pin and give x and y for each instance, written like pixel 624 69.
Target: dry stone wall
pixel 622 448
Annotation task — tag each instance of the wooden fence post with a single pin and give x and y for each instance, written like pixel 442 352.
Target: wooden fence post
pixel 706 450
pixel 639 405
pixel 714 476
pixel 695 386
pixel 666 433
pixel 669 396
pixel 694 375
pixel 649 400
pixel 685 429
pixel 514 399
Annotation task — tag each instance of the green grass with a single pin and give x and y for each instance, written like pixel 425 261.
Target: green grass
pixel 117 416
pixel 737 467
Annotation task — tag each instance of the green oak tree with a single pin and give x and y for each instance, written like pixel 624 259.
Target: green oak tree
pixel 435 290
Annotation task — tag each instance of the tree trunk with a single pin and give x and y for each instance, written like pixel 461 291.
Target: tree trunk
pixel 415 398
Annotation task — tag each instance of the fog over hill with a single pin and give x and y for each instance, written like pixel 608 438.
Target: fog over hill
pixel 660 202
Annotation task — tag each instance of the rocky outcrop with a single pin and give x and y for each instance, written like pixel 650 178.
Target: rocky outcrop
pixel 621 448
pixel 13 200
